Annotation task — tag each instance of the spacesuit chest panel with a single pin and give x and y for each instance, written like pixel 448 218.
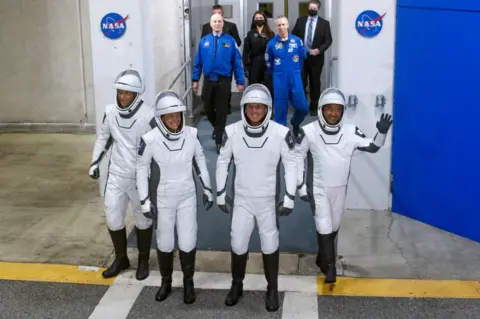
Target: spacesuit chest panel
pixel 331 156
pixel 126 131
pixel 256 161
pixel 174 159
pixel 126 137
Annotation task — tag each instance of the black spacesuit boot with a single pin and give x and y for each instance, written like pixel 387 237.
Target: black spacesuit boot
pixel 187 261
pixel 270 266
pixel 328 250
pixel 335 241
pixel 144 242
pixel 238 267
pixel 319 261
pixel 121 262
pixel 165 261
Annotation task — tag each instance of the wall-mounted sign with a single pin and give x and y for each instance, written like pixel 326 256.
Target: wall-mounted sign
pixel 113 25
pixel 369 23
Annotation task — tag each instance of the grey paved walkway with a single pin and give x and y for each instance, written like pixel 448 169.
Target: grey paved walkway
pixel 21 299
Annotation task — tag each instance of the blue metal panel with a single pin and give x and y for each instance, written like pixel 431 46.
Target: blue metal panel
pixel 436 138
pixel 467 5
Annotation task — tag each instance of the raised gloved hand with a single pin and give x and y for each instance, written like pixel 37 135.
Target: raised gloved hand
pixel 304 194
pixel 383 125
pixel 223 201
pixel 285 207
pixel 207 200
pixel 94 171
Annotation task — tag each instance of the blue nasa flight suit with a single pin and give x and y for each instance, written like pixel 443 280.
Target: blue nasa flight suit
pixel 218 56
pixel 285 62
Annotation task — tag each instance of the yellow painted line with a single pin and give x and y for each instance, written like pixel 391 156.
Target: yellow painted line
pixel 373 287
pixel 53 273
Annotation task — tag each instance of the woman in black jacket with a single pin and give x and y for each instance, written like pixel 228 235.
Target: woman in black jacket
pixel 254 49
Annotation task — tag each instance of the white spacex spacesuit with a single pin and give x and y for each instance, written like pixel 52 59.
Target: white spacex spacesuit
pixel 177 152
pixel 121 129
pixel 256 152
pixel 330 147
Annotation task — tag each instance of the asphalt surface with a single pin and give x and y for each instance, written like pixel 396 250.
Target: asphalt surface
pixel 20 299
pixel 214 225
pixel 330 307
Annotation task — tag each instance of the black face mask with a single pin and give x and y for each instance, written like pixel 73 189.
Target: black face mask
pixel 259 23
pixel 312 12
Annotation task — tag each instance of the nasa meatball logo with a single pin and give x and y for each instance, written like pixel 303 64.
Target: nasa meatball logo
pixel 295 58
pixel 369 23
pixel 113 25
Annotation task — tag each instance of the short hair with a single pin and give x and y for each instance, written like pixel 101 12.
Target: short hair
pixel 280 17
pixel 217 7
pixel 317 2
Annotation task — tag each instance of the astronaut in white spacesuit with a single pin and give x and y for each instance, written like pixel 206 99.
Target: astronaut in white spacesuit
pixel 256 145
pixel 330 145
pixel 123 125
pixel 177 151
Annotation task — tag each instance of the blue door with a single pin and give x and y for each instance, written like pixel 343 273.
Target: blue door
pixel 436 128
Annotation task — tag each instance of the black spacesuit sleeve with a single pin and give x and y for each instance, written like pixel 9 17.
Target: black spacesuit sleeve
pixel 144 159
pixel 365 144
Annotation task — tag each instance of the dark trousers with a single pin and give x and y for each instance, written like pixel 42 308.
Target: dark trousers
pixel 215 95
pixel 258 73
pixel 230 96
pixel 311 74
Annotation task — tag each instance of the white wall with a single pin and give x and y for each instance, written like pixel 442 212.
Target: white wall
pixel 152 43
pixel 110 57
pixel 45 66
pixel 58 78
pixel 365 69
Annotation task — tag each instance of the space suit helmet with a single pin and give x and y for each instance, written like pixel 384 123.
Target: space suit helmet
pixel 331 96
pixel 129 80
pixel 258 94
pixel 168 102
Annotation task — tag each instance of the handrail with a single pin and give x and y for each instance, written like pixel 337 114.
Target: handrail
pixel 186 93
pixel 179 73
pixel 332 83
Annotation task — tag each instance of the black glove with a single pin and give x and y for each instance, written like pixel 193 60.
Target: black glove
pixel 152 214
pixel 225 208
pixel 283 211
pixel 307 198
pixel 207 204
pixel 96 173
pixel 384 124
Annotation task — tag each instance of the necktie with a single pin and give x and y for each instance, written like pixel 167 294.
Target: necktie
pixel 309 34
pixel 215 47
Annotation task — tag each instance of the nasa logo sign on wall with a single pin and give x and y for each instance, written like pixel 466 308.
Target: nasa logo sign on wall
pixel 369 23
pixel 113 25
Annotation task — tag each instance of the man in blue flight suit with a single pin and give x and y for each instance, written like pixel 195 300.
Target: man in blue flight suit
pixel 217 56
pixel 284 57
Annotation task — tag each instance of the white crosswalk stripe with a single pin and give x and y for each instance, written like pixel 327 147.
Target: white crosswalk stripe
pixel 300 299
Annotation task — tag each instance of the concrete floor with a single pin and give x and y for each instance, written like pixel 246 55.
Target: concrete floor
pixel 51 212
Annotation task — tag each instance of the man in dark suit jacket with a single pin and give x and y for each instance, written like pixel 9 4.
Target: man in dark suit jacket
pixel 317 38
pixel 228 27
